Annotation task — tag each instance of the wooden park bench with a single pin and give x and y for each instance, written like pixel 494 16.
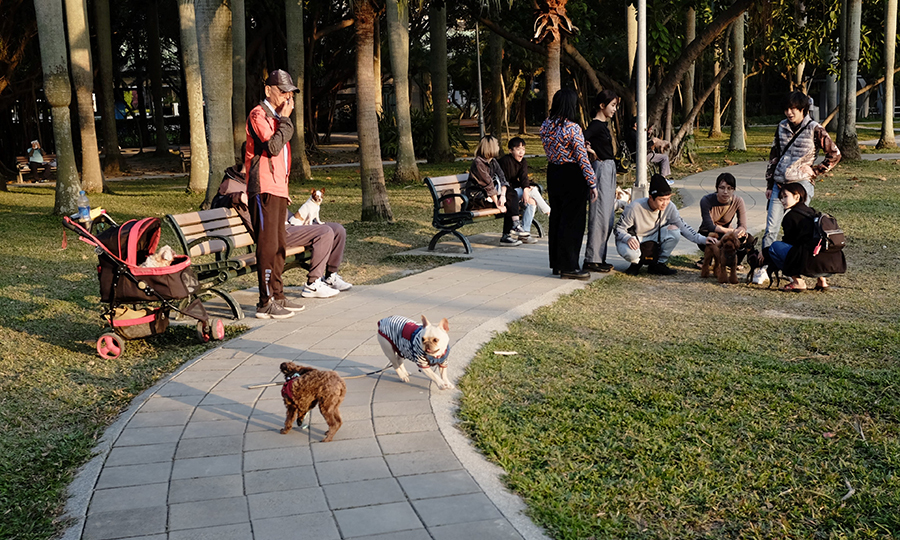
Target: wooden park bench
pixel 451 209
pixel 221 248
pixel 22 166
pixel 184 152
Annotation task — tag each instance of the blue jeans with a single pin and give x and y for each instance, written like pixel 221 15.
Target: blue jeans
pixel 776 211
pixel 528 214
pixel 669 239
pixel 778 253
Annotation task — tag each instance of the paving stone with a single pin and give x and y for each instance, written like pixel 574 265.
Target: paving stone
pixel 456 509
pixel 318 526
pixel 134 475
pixel 409 423
pixel 422 462
pixel 230 411
pixel 136 521
pixel 152 435
pixel 442 484
pixel 415 534
pixel 287 503
pixel 262 440
pixel 209 446
pixel 422 441
pixel 209 513
pixel 160 403
pixel 177 389
pixel 205 488
pixel 243 395
pixel 496 529
pixel 213 429
pixel 277 458
pixel 364 493
pixel 379 519
pixel 160 418
pixel 352 470
pixel 129 498
pixel 239 531
pixel 139 455
pixel 361 429
pixel 206 466
pixel 350 449
pixel 279 480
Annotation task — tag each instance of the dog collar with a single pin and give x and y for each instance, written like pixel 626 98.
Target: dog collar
pixel 287 378
pixel 442 358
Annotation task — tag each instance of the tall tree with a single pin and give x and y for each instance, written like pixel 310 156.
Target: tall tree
pixel 849 143
pixel 552 26
pixel 887 139
pixel 738 139
pixel 494 55
pixel 375 205
pixel 190 59
pixel 690 32
pixel 83 79
pixel 296 59
pixel 214 40
pixel 398 42
pixel 437 27
pixel 154 53
pixel 239 72
pixel 715 129
pixel 55 68
pixel 106 94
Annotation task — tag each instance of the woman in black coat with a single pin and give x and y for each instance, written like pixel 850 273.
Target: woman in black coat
pixel 793 255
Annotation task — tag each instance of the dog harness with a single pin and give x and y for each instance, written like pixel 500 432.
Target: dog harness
pixel 404 336
pixel 286 389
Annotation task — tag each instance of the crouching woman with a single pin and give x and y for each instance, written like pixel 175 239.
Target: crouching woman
pixel 794 253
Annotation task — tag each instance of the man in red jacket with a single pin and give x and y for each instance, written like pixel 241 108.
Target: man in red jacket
pixel 267 162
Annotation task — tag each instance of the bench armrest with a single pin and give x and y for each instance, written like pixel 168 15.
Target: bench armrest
pixel 229 245
pixel 439 203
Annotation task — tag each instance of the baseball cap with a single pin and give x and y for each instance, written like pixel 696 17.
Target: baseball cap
pixel 282 80
pixel 659 186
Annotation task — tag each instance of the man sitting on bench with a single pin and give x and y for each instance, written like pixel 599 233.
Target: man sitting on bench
pixel 326 241
pixel 36 162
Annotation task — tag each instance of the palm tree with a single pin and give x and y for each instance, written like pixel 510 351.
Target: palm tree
pixel 552 25
pixel 738 139
pixel 690 32
pixel 375 205
pixel 398 41
pixel 847 139
pixel 190 59
pixel 107 101
pixel 83 79
pixel 154 52
pixel 437 27
pixel 890 44
pixel 214 40
pixel 52 39
pixel 239 73
pixel 297 67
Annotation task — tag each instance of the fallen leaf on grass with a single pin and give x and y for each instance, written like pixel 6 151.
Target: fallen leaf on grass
pixel 729 162
pixel 828 434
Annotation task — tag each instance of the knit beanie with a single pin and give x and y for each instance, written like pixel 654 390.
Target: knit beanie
pixel 659 187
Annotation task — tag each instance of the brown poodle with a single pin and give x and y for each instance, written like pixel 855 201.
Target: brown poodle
pixel 304 387
pixel 721 256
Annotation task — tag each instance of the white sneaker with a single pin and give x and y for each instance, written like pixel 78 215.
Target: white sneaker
pixel 335 282
pixel 318 289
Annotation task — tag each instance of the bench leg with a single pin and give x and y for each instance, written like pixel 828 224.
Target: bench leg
pixel 462 238
pixel 538 228
pixel 235 307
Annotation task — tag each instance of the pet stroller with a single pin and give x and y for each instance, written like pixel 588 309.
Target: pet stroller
pixel 150 293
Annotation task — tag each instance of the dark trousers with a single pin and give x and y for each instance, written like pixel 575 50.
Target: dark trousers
pixel 44 168
pixel 512 209
pixel 267 215
pixel 569 194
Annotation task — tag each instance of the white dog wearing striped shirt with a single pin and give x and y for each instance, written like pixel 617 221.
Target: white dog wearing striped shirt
pixel 425 344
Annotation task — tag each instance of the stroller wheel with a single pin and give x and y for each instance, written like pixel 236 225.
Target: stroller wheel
pixel 217 329
pixel 203 332
pixel 110 345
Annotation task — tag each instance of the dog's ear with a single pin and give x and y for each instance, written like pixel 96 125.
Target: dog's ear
pixel 425 321
pixel 323 191
pixel 285 366
pixel 445 324
pixel 312 192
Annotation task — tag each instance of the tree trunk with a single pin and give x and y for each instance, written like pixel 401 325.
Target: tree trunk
pixel 523 102
pixel 398 42
pixel 437 26
pixel 376 67
pixel 55 68
pixel 494 51
pixel 83 80
pixel 716 129
pixel 141 109
pixel 887 139
pixel 631 31
pixel 106 93
pixel 156 85
pixel 239 73
pixel 190 58
pixel 844 90
pixel 738 135
pixel 687 95
pixel 551 73
pixel 375 205
pixel 678 139
pixel 214 40
pixel 296 59
pixel 849 144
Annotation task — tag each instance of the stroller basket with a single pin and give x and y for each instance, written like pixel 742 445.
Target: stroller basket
pixel 138 323
pixel 132 243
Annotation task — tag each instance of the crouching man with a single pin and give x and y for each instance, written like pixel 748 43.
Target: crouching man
pixel 643 234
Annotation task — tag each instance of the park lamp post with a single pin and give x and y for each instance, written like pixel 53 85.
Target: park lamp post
pixel 640 183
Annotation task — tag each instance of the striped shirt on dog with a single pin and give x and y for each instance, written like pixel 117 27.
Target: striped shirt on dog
pixel 404 335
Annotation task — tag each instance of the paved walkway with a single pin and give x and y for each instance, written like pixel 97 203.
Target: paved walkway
pixel 199 455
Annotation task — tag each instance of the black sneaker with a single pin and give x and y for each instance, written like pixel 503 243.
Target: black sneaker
pixel 634 269
pixel 660 269
pixel 605 267
pixel 575 274
pixel 519 231
pixel 507 241
pixel 596 267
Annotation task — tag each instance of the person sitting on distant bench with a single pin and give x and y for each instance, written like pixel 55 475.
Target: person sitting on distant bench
pixel 36 161
pixel 657 149
pixel 515 168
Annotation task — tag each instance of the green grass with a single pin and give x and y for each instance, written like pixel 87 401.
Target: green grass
pixel 680 408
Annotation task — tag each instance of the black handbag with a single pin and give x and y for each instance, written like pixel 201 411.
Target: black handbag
pixel 651 249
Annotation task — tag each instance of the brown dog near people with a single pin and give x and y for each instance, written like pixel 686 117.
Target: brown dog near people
pixel 722 258
pixel 304 387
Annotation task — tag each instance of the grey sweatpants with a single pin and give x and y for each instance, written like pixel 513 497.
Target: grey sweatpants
pixel 602 212
pixel 327 243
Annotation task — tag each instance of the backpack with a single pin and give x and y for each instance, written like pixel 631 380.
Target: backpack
pixel 828 237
